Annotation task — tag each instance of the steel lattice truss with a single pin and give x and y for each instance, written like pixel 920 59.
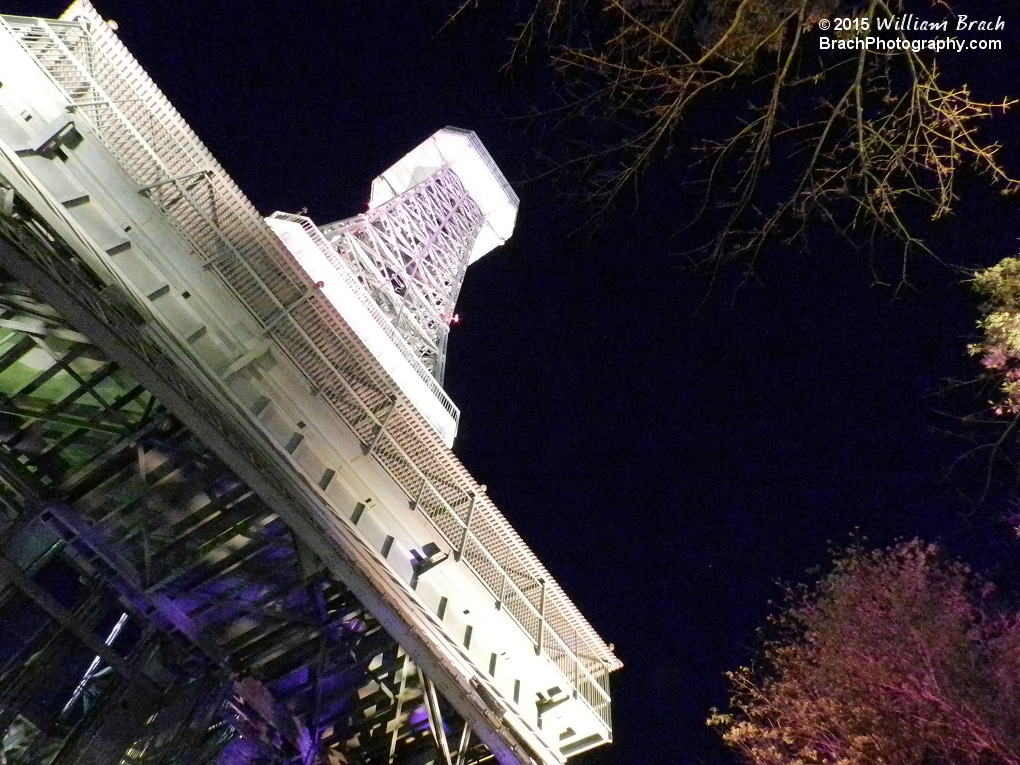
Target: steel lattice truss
pixel 238 648
pixel 411 254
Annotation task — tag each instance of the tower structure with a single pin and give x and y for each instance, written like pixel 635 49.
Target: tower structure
pixel 231 527
pixel 394 273
pixel 437 210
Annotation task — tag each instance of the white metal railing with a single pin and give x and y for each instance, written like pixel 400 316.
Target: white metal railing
pixel 159 151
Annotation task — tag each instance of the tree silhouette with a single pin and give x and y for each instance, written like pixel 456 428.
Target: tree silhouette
pixel 896 657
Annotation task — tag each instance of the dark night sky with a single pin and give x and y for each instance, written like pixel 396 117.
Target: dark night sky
pixel 667 463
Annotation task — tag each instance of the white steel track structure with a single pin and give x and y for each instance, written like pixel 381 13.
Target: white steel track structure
pixel 107 98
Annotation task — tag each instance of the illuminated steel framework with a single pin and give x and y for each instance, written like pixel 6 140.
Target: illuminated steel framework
pixel 437 210
pixel 411 254
pixel 194 433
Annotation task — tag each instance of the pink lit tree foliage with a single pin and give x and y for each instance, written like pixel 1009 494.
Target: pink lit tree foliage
pixel 897 657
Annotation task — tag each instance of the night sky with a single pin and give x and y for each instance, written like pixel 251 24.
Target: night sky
pixel 669 444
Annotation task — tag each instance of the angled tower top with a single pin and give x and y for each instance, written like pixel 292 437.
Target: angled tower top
pixel 462 152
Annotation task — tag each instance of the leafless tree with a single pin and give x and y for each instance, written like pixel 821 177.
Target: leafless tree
pixel 871 140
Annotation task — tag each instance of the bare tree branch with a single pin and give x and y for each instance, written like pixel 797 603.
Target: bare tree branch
pixel 864 138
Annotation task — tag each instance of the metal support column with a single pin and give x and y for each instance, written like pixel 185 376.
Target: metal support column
pixel 467 528
pixel 435 717
pixel 541 619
